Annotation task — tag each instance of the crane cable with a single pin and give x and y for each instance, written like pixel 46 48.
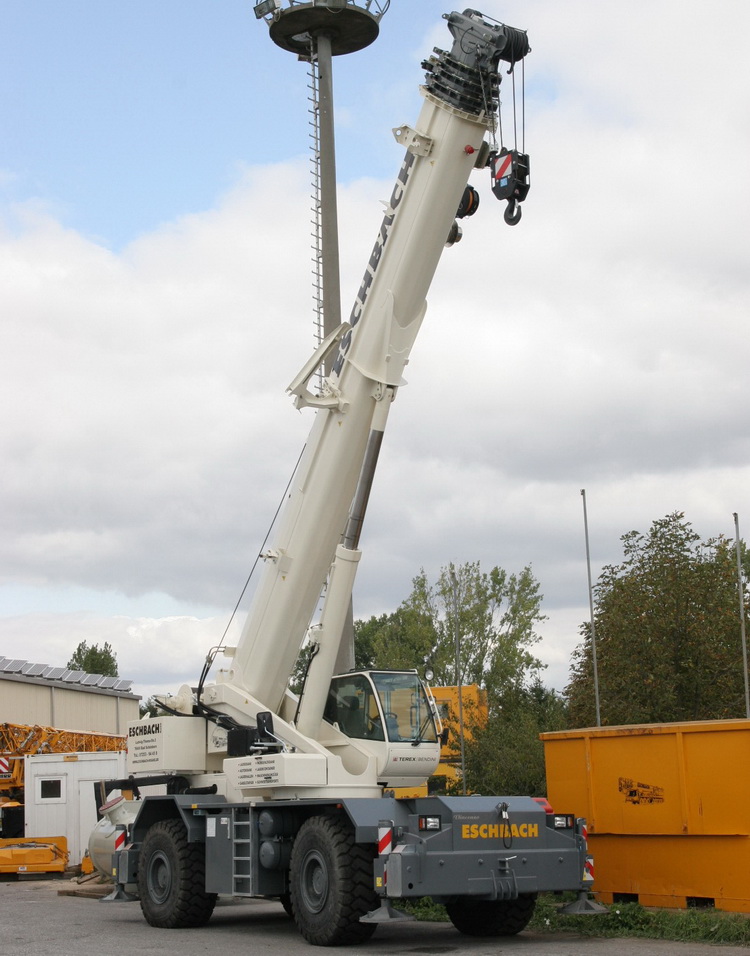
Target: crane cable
pixel 211 656
pixel 512 72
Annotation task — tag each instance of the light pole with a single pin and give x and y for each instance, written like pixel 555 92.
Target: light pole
pixel 459 685
pixel 742 611
pixel 591 609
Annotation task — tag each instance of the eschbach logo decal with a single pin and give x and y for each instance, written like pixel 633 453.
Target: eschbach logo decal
pixel 494 831
pixel 144 730
pixel 377 251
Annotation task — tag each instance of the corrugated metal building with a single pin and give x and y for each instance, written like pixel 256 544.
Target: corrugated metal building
pixel 59 697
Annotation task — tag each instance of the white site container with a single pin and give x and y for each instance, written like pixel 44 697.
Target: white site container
pixel 59 795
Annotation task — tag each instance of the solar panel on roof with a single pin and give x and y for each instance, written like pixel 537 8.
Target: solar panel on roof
pixel 24 668
pixel 92 680
pixel 54 673
pixel 34 670
pixel 73 677
pixel 12 666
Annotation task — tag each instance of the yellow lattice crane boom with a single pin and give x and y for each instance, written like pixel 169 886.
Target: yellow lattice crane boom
pixel 19 740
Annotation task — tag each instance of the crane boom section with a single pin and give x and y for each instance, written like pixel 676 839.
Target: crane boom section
pixel 385 319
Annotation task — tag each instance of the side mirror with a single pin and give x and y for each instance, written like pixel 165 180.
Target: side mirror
pixel 265 725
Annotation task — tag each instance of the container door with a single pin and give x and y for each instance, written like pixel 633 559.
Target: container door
pixel 46 811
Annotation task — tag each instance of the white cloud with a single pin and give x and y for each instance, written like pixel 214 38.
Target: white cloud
pixel 145 391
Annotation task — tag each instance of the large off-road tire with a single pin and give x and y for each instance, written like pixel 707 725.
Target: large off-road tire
pixel 331 883
pixel 171 878
pixel 491 917
pixel 286 901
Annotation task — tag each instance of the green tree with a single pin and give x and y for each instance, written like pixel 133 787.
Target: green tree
pixel 667 632
pixel 376 633
pixel 401 640
pixel 506 756
pixel 493 614
pixel 150 707
pixel 94 659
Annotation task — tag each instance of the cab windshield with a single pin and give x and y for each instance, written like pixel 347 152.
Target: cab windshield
pixel 379 704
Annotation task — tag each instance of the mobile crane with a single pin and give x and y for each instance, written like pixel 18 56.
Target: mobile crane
pixel 276 795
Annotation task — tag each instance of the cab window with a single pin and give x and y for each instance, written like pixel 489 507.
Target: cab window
pixel 353 707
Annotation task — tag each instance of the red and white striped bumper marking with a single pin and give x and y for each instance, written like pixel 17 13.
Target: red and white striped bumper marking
pixel 385 840
pixel 120 839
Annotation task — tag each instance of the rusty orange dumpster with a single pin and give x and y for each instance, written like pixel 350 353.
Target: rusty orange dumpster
pixel 668 809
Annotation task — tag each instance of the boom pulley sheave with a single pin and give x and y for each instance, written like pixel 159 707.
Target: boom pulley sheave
pixel 467 79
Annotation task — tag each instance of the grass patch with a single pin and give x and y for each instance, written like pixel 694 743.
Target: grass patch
pixel 622 920
pixel 424 909
pixel 632 919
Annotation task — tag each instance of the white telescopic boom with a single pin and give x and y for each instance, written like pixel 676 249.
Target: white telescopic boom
pixel 440 154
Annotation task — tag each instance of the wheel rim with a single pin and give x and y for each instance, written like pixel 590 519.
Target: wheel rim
pixel 159 877
pixel 314 882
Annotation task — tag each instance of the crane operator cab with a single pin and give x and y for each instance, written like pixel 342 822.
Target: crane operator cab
pixel 394 716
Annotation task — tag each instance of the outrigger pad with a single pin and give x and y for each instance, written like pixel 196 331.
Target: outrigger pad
pixel 583 906
pixel 118 895
pixel 385 914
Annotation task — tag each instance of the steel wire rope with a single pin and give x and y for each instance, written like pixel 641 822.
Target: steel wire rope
pixel 211 656
pixel 515 111
pixel 523 105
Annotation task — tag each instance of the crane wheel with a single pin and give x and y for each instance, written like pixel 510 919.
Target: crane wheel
pixel 331 883
pixel 491 917
pixel 171 878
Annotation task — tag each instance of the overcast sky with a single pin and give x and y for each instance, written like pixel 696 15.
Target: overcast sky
pixel 155 301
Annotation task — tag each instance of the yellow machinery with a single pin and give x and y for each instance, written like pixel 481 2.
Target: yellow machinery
pixel 474 704
pixel 447 776
pixel 666 806
pixel 41 855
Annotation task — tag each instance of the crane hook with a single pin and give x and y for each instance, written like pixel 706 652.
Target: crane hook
pixel 509 171
pixel 513 211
